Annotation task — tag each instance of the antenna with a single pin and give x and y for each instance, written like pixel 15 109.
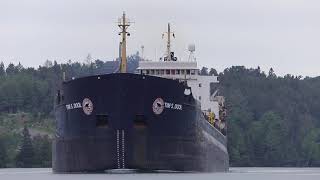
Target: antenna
pixel 169 57
pixel 191 49
pixel 142 51
pixel 123 24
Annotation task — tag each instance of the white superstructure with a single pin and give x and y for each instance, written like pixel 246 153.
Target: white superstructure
pixel 169 67
pixel 185 71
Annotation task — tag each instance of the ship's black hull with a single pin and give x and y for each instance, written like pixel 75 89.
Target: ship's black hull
pixel 132 135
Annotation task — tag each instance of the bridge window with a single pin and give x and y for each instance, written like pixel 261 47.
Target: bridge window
pixel 157 72
pixel 193 72
pixel 188 71
pixel 148 72
pixel 167 71
pixel 178 71
pixel 182 71
pixel 162 72
pixel 173 72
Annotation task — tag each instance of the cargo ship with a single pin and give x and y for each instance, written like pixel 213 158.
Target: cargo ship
pixel 166 116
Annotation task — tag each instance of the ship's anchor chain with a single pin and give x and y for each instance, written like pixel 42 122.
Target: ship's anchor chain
pixel 120 149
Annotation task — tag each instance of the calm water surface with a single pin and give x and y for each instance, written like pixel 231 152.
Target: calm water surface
pixel 235 173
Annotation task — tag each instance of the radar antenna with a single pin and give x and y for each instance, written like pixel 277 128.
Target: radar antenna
pixel 191 49
pixel 123 24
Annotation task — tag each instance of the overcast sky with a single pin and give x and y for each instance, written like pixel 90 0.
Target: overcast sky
pixel 283 34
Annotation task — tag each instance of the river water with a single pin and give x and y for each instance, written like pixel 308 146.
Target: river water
pixel 235 173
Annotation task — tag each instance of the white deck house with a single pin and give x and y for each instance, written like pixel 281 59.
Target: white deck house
pixel 188 71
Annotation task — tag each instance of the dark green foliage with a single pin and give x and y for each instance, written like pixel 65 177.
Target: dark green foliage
pixel 204 71
pixel 311 147
pixel 2 70
pixel 213 72
pixel 14 138
pixel 272 121
pixel 11 69
pixel 268 137
pixel 42 149
pixel 25 157
pixel 3 153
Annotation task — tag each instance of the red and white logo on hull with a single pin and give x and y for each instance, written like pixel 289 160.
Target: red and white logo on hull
pixel 158 106
pixel 87 106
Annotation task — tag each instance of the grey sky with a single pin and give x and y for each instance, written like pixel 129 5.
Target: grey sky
pixel 283 34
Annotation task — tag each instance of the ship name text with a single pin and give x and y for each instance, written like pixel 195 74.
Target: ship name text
pixel 172 106
pixel 73 106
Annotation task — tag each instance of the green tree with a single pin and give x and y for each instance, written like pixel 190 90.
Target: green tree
pixel 271 73
pixel 3 153
pixel 2 69
pixel 204 71
pixel 273 134
pixel 25 157
pixel 12 69
pixel 311 147
pixel 213 72
pixel 42 148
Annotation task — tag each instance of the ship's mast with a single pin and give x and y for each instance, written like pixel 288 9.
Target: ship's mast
pixel 169 33
pixel 169 43
pixel 123 23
